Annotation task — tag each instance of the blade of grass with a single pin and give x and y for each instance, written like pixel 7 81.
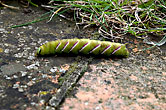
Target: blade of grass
pixel 162 41
pixel 40 19
pixel 25 24
pixel 34 21
pixel 91 16
pixel 54 14
pixel 101 23
pixel 32 3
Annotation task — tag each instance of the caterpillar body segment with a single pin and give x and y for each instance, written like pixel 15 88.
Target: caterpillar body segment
pixel 83 46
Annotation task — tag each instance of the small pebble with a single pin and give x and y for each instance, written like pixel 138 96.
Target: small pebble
pixel 44 76
pixel 33 103
pixel 30 83
pixel 15 86
pixel 49 108
pixel 25 105
pixel 29 77
pixel 33 66
pixel 20 90
pixel 86 103
pixel 31 57
pixel 54 69
pixel 42 101
pixel 15 76
pixel 97 108
pixel 62 70
pixel 8 77
pixel 18 55
pixel 23 73
pixel 30 27
pixel 2 30
pixel 6 50
pixel 33 79
pixel 24 86
pixel 1 50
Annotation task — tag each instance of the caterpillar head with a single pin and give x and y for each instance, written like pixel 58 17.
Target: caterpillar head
pixel 125 52
pixel 38 52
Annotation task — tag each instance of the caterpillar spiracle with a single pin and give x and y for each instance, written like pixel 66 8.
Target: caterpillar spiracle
pixel 83 46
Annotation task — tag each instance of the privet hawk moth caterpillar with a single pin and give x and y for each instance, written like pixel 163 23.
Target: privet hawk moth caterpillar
pixel 83 46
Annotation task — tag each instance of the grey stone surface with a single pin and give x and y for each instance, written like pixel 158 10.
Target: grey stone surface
pixel 12 68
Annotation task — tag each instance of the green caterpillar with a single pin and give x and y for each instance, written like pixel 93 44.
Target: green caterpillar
pixel 83 46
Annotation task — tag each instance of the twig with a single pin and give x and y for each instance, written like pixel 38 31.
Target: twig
pixel 11 7
pixel 54 14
